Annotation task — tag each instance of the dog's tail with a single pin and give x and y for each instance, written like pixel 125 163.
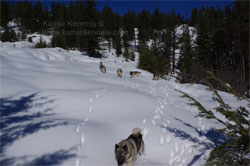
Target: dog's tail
pixel 136 131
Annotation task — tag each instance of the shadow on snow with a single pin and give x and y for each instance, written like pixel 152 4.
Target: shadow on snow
pixel 19 120
pixel 215 138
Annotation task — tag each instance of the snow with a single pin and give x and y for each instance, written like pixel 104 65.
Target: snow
pixel 57 108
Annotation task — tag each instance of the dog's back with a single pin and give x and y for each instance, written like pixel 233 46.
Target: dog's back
pixel 136 137
pixel 134 73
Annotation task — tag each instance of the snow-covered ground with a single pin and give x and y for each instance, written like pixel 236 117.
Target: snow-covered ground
pixel 57 108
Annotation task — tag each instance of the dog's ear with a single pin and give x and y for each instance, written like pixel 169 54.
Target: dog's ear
pixel 116 146
pixel 125 148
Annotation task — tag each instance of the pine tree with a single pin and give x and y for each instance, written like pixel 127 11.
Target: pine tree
pixel 203 55
pixel 236 127
pixel 117 44
pixel 186 57
pixel 59 41
pixel 107 18
pixel 89 42
pixel 144 27
pixel 132 54
pixel 38 17
pixel 5 13
pixel 5 36
pixel 173 31
pixel 194 17
pixel 116 37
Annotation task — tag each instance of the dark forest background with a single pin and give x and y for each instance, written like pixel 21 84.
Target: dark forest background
pixel 221 45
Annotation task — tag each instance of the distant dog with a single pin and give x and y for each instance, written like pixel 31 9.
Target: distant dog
pixel 119 72
pixel 156 77
pixel 134 74
pixel 102 67
pixel 127 150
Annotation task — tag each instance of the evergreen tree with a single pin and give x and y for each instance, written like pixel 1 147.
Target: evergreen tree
pixel 129 24
pixel 89 42
pixel 117 44
pixel 116 37
pixel 107 17
pixel 5 36
pixel 166 48
pixel 186 57
pixel 152 60
pixel 173 31
pixel 144 27
pixel 41 44
pixel 59 41
pixel 203 41
pixel 236 127
pixel 132 54
pixel 38 17
pixel 194 17
pixel 5 13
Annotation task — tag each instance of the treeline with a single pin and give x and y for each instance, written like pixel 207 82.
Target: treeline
pixel 221 45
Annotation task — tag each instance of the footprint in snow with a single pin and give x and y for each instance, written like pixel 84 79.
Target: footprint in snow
pixel 82 139
pixel 145 132
pixel 164 130
pixel 90 109
pixel 168 139
pixel 153 122
pixel 157 117
pixel 183 161
pixel 203 127
pixel 176 147
pixel 78 128
pixel 90 100
pixel 191 150
pixel 182 151
pixel 161 140
pixel 144 121
pixel 97 95
pixel 77 162
pixel 177 158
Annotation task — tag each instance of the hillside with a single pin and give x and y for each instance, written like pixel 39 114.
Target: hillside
pixel 59 109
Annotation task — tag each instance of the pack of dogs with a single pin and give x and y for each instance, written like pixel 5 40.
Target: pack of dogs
pixel 133 74
pixel 127 150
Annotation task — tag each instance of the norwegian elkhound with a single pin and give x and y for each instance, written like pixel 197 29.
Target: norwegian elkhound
pixel 119 72
pixel 102 67
pixel 127 150
pixel 134 74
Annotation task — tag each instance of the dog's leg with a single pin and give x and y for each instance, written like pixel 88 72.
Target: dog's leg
pixel 131 163
pixel 142 149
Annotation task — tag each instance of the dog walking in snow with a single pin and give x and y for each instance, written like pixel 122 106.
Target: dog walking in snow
pixel 102 67
pixel 156 77
pixel 127 150
pixel 119 72
pixel 134 74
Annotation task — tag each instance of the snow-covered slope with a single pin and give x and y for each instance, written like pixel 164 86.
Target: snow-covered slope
pixel 57 108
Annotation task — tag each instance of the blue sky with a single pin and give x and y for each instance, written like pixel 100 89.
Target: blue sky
pixel 183 7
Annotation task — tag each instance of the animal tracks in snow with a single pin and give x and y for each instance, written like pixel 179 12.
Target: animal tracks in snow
pixel 79 127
